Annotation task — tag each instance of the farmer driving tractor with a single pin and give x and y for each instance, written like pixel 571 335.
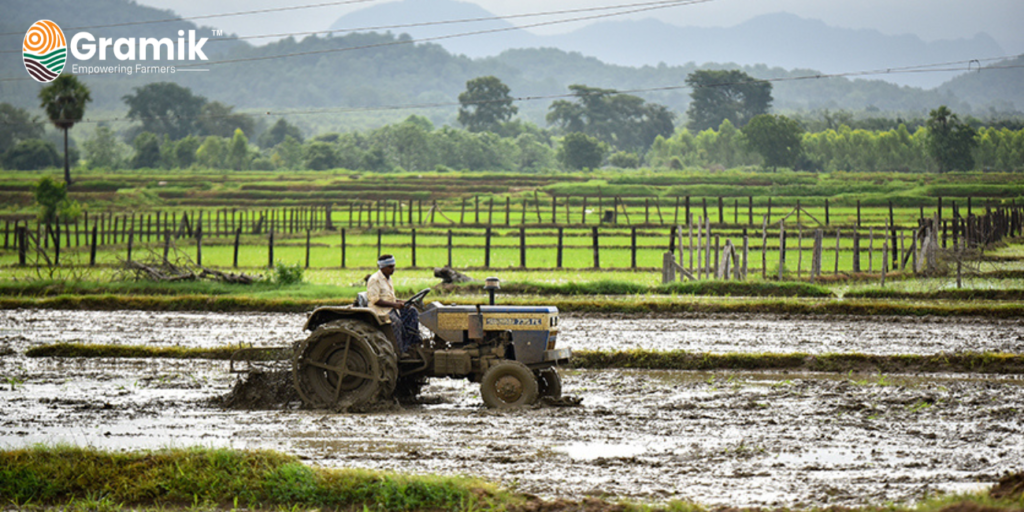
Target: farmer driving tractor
pixel 380 293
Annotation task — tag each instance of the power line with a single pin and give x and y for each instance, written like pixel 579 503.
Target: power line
pixel 644 7
pixel 922 68
pixel 666 3
pixel 209 16
pixel 447 22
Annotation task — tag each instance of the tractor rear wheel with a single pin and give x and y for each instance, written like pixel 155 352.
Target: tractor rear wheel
pixel 346 363
pixel 549 383
pixel 508 385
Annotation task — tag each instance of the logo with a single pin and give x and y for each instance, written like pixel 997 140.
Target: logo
pixel 45 51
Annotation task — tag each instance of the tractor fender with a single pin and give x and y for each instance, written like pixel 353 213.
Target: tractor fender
pixel 325 314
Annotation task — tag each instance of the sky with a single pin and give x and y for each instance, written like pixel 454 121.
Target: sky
pixel 928 19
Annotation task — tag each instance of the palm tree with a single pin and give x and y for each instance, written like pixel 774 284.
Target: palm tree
pixel 64 101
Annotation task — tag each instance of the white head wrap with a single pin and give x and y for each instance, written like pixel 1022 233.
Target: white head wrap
pixel 386 263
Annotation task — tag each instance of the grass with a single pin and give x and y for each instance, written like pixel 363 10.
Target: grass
pixel 224 478
pixel 88 479
pixel 645 359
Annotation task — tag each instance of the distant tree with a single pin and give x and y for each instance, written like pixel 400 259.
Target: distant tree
pixel 212 153
pixel 624 160
pixel 276 134
pixel 238 152
pixel 950 141
pixel 166 108
pixel 720 95
pixel 485 104
pixel 54 205
pixel 31 155
pixel 581 151
pixel 320 156
pixel 289 153
pixel 104 150
pixel 64 100
pixel 621 120
pixel 147 151
pixel 185 151
pixel 776 138
pixel 16 125
pixel 216 118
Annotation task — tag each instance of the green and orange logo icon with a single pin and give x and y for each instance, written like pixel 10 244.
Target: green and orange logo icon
pixel 45 51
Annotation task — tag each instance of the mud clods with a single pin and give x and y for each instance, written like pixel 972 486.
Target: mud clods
pixel 1009 487
pixel 260 391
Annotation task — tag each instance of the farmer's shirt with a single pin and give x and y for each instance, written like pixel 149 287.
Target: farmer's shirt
pixel 379 287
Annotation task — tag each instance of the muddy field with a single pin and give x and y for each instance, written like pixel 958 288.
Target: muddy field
pixel 715 438
pixel 697 333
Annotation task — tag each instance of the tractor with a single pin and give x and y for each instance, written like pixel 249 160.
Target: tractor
pixel 350 358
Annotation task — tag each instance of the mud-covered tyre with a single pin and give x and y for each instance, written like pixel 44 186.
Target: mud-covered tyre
pixel 347 363
pixel 549 383
pixel 508 385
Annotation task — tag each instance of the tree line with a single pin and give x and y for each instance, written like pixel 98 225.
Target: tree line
pixel 729 124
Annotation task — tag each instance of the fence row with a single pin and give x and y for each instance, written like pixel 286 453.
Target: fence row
pixel 114 227
pixel 702 249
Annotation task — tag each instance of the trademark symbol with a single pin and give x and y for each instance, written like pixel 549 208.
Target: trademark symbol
pixel 218 32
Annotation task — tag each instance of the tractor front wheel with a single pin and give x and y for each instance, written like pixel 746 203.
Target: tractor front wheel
pixel 549 383
pixel 508 385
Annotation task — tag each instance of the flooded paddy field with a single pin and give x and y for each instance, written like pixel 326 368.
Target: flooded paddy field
pixel 720 333
pixel 718 438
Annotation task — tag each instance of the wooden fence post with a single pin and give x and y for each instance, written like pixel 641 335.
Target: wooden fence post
pixel 131 239
pixel 750 214
pixel 558 256
pixel 270 247
pixel 508 210
pixel 343 247
pixel 721 211
pixel 816 256
pixel 412 241
pixel 826 212
pixel 487 246
pixel 307 247
pixel 597 249
pixel 379 247
pixel 782 248
pixel 199 245
pixel 856 251
pixel 21 240
pixel 238 236
pixel 799 250
pixel 449 248
pixel 746 252
pixel 764 247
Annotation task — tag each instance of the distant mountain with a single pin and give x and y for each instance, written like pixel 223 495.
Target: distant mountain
pixel 777 40
pixel 365 79
pixel 996 86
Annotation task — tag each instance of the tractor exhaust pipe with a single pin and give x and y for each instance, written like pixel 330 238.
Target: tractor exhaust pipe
pixel 492 284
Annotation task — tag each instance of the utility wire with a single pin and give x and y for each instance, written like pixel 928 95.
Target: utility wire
pixel 644 7
pixel 209 16
pixel 434 23
pixel 922 68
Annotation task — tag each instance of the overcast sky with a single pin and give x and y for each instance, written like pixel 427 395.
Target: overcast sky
pixel 928 19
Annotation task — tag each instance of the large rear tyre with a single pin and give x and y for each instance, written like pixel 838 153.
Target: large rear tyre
pixel 344 364
pixel 508 385
pixel 549 383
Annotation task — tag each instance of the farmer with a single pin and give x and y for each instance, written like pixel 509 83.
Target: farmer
pixel 380 293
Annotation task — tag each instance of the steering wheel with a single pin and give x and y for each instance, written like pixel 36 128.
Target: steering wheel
pixel 417 300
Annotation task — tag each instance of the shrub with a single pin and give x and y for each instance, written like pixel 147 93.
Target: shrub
pixel 285 275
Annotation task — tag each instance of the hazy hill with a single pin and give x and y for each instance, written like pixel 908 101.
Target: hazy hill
pixel 777 40
pixel 999 88
pixel 387 74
